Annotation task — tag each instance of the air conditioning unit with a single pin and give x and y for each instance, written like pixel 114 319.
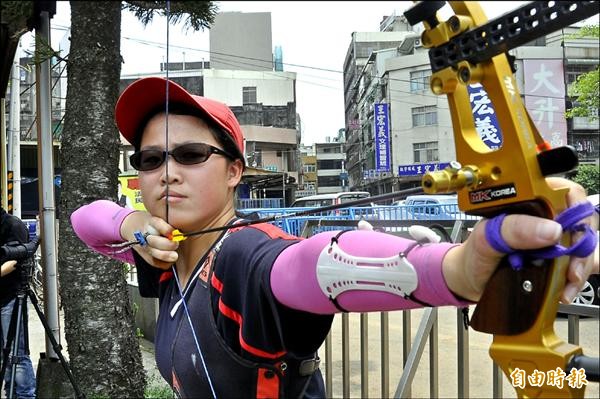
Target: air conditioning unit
pixel 418 43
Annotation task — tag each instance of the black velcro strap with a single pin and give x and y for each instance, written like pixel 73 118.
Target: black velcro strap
pixel 404 254
pixel 411 297
pixel 338 235
pixel 337 304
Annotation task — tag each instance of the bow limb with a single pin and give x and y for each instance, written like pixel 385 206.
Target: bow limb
pixel 517 307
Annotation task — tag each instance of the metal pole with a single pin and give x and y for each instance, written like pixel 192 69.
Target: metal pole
pixel 364 355
pixel 46 188
pixel 283 185
pixel 463 354
pixel 385 355
pixel 14 139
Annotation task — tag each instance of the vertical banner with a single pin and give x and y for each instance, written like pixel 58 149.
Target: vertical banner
pixel 382 138
pixel 544 91
pixel 484 116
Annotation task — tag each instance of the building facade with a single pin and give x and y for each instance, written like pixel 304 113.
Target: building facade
pixel 330 157
pixel 362 87
pixel 242 41
pixel 418 126
pixel 307 171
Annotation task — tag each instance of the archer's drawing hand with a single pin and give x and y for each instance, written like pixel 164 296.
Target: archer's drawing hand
pixel 159 251
pixel 468 267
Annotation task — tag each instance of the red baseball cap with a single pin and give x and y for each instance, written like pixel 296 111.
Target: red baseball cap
pixel 146 95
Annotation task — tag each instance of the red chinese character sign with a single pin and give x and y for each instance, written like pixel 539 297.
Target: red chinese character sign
pixel 544 90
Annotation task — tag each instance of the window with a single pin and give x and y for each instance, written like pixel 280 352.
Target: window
pixel 426 152
pixel 575 70
pixel 419 81
pixel 424 116
pixel 328 181
pixel 329 164
pixel 309 168
pixel 249 95
pixel 329 150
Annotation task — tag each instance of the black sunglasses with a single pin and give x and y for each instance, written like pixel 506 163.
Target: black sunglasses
pixel 186 154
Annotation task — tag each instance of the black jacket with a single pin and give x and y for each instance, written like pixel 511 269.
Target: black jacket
pixel 11 229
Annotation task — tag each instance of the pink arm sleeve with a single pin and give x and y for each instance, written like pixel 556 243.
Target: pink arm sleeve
pixel 294 279
pixel 99 223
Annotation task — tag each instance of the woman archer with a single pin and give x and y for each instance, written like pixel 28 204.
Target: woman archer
pixel 244 311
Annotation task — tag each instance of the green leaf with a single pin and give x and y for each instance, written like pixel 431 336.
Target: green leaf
pixel 588 176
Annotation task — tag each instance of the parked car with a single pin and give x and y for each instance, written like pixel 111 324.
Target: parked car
pixel 330 199
pixel 590 293
pixel 433 207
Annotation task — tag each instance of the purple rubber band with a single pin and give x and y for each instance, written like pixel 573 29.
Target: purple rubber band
pixel 493 234
pixel 568 220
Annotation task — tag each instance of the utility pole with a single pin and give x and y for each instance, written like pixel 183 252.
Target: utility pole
pixel 283 185
pixel 14 136
pixel 46 185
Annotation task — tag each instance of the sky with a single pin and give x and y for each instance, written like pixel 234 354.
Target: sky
pixel 314 37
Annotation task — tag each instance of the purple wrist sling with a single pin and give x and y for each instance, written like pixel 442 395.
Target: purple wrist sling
pixel 568 220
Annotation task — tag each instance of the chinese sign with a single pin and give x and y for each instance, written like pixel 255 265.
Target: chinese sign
pixel 371 174
pixel 556 378
pixel 545 98
pixel 354 124
pixel 484 116
pixel 420 169
pixel 382 138
pixel 129 194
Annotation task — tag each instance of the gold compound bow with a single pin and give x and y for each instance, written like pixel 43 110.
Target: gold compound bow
pixel 517 307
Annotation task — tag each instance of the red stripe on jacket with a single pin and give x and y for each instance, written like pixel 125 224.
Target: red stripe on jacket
pixel 165 276
pixel 235 316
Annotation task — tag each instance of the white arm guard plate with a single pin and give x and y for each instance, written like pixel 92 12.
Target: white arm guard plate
pixel 339 272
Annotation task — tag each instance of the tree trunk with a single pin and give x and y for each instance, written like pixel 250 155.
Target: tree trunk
pixel 103 349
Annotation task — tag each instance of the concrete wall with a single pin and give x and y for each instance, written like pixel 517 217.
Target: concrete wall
pixel 272 88
pixel 242 41
pixel 146 312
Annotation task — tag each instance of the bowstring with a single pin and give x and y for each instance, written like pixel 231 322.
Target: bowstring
pixel 173 269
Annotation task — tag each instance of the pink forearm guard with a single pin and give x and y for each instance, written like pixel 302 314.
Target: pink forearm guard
pixel 98 224
pixel 294 275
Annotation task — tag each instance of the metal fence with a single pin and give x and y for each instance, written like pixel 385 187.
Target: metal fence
pixel 254 203
pixel 390 218
pixel 360 356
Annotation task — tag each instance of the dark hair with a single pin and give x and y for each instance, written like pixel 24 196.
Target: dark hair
pixel 221 136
